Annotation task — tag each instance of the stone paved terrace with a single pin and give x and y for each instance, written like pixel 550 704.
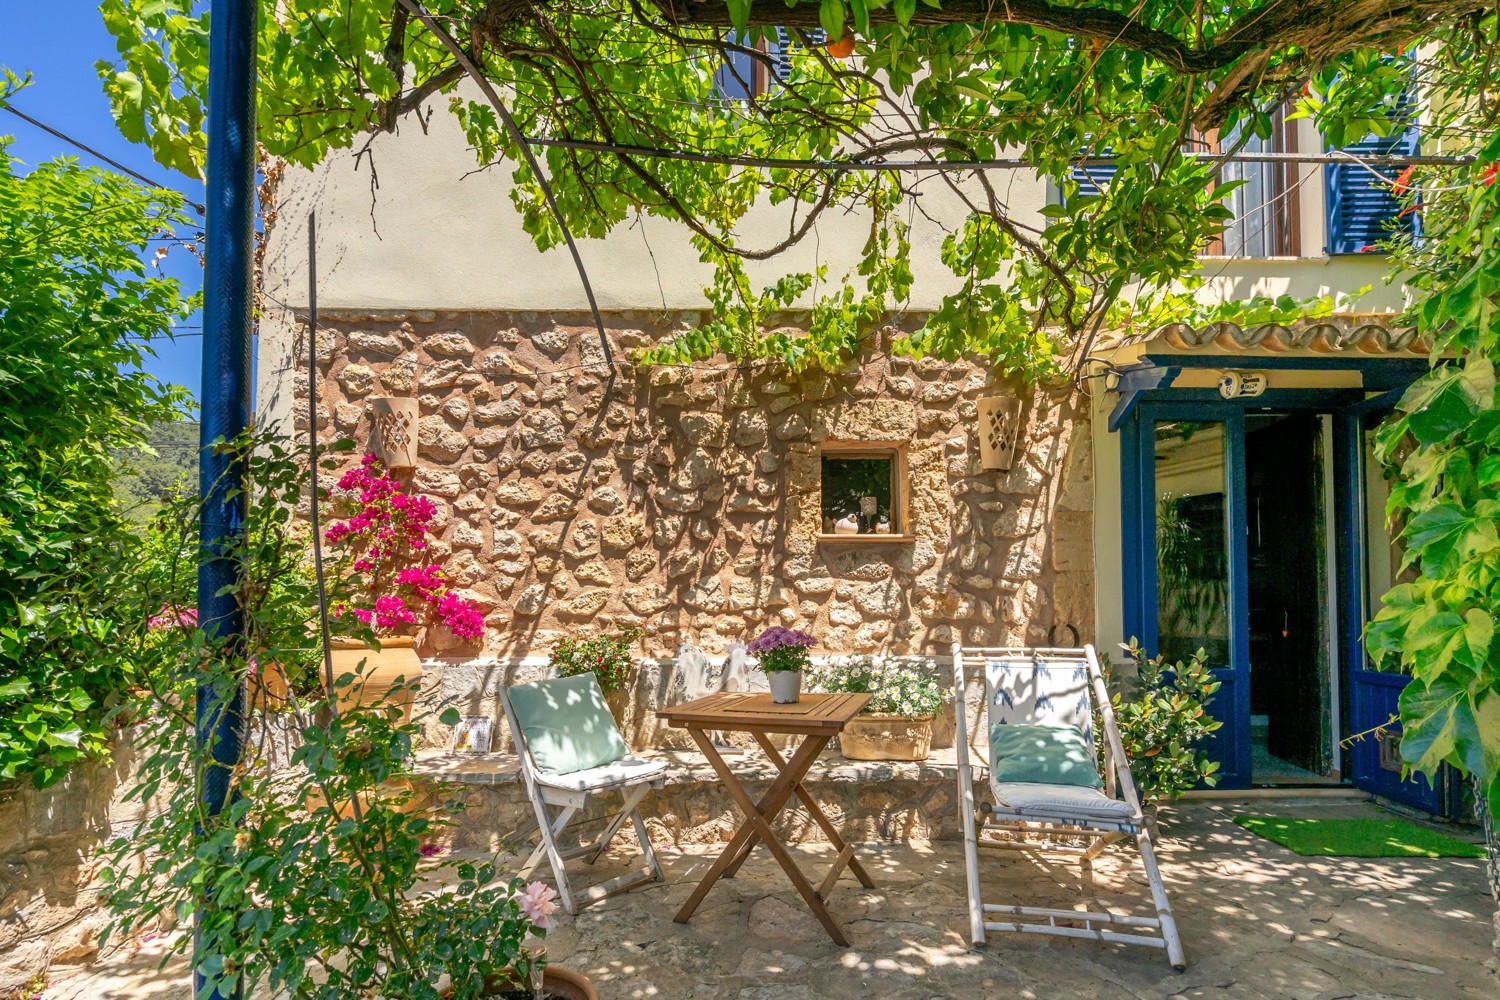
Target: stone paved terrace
pixel 1257 921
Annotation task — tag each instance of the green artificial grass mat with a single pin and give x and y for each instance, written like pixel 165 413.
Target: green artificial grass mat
pixel 1358 838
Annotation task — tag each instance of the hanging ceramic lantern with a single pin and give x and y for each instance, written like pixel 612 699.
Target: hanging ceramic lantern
pixel 395 431
pixel 999 431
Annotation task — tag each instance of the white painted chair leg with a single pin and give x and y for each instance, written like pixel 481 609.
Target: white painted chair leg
pixel 1163 907
pixel 644 836
pixel 971 856
pixel 633 797
pixel 549 830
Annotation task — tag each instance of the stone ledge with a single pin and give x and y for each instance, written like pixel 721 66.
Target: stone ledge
pixel 692 768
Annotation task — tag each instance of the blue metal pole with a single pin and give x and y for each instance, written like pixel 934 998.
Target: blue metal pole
pixel 225 410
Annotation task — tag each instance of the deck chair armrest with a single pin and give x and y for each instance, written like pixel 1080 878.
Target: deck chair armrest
pixel 1115 759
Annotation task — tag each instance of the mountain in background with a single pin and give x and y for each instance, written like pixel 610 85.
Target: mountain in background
pixel 144 481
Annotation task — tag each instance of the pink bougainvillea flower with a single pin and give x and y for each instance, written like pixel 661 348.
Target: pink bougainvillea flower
pixel 537 903
pixel 171 616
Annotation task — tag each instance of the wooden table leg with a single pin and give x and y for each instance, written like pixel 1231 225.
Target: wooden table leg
pixel 758 823
pixel 818 816
pixel 776 796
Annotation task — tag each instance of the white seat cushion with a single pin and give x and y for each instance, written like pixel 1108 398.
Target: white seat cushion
pixel 1026 798
pixel 625 771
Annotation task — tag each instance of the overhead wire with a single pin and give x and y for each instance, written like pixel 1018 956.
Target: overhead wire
pixel 113 163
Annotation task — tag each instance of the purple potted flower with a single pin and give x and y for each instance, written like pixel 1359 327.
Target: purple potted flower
pixel 783 655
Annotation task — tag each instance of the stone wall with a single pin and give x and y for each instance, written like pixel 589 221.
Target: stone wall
pixel 687 500
pixel 49 907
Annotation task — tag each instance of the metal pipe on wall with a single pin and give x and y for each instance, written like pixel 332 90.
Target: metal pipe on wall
pixel 225 407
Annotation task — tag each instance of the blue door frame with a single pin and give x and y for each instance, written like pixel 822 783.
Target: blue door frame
pixel 1230 746
pixel 1367 697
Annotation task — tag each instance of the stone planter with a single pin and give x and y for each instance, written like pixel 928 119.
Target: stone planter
pixel 565 984
pixel 786 686
pixel 396 658
pixel 886 736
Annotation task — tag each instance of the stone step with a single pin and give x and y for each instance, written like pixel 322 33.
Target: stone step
pixel 865 800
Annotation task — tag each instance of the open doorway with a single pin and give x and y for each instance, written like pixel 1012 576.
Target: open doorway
pixel 1292 684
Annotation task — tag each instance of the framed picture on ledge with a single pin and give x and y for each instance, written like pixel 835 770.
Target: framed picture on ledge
pixel 471 736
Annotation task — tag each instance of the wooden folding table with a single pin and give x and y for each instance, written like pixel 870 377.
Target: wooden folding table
pixel 817 718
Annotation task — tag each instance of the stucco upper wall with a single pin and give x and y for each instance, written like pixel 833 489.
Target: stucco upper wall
pixel 436 235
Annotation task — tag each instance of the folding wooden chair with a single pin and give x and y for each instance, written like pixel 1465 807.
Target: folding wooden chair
pixel 570 748
pixel 1054 688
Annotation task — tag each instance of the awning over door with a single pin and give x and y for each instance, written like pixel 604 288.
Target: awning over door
pixel 1364 355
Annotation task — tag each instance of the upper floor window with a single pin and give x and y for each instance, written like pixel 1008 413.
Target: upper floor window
pixel 1266 204
pixel 1363 206
pixel 742 76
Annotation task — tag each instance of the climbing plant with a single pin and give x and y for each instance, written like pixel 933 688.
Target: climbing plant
pixel 631 94
pixel 1441 446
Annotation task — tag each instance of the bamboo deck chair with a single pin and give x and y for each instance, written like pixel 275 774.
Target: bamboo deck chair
pixel 1062 689
pixel 570 749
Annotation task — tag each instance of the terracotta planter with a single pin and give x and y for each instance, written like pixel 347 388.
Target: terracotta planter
pixel 559 982
pixel 267 688
pixel 883 736
pixel 396 658
pixel 786 686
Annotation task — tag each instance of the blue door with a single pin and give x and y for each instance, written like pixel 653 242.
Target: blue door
pixel 1187 549
pixel 1370 567
pixel 1376 755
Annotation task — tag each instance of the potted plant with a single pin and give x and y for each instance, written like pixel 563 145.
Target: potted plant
pixel 607 657
pixel 782 654
pixel 315 877
pixel 383 538
pixel 897 722
pixel 1164 725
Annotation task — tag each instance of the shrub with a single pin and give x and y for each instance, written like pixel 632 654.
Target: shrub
pixel 1163 719
pixel 318 874
pixel 606 656
pixel 78 313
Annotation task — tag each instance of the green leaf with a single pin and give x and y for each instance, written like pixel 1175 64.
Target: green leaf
pixel 1448 400
pixel 831 15
pixel 1445 535
pixel 739 13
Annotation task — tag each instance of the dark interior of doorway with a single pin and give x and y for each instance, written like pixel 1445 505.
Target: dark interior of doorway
pixel 1290 696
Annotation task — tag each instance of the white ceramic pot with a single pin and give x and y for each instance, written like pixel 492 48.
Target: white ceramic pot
pixel 786 686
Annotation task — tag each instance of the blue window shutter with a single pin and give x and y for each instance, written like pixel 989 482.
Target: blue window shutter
pixel 1092 180
pixel 1362 209
pixel 779 48
pixel 783 43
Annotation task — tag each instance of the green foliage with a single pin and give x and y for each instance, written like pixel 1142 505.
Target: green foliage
pixel 898 686
pixel 147 476
pixel 1441 447
pixel 1163 719
pixel 1139 80
pixel 605 656
pixel 78 312
pixel 317 873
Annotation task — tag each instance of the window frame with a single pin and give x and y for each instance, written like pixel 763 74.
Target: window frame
pixel 896 452
pixel 1285 207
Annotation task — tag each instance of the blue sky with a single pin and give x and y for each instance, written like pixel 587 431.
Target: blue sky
pixel 58 42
